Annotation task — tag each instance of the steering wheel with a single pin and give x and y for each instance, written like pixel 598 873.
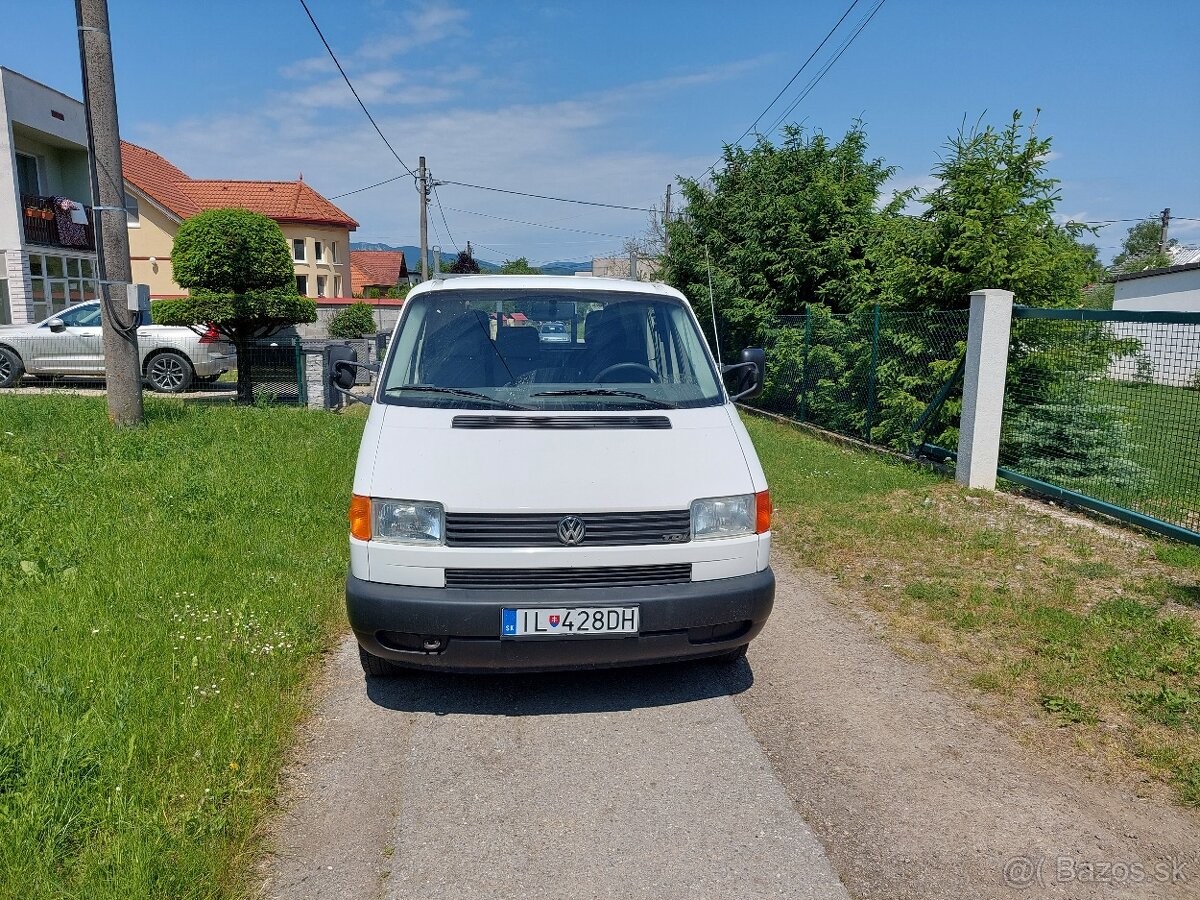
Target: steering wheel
pixel 616 367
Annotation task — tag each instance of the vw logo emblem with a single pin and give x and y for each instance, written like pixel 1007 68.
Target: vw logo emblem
pixel 571 530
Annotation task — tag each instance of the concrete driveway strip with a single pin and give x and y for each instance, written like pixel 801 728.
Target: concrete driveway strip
pixel 621 784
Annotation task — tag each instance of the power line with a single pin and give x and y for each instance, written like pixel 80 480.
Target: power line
pixel 829 65
pixel 1119 221
pixel 484 187
pixel 350 85
pixel 782 90
pixel 368 187
pixel 808 88
pixel 486 247
pixel 1110 221
pixel 442 210
pixel 472 212
pixel 411 173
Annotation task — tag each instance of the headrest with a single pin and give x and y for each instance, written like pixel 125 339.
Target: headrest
pixel 519 340
pixel 592 321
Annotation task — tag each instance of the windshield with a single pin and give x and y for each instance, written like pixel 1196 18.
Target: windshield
pixel 488 349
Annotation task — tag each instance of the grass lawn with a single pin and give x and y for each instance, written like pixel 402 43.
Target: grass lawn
pixel 1165 434
pixel 1095 630
pixel 164 593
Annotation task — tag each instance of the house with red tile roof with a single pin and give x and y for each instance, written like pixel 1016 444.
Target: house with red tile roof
pixel 377 271
pixel 317 231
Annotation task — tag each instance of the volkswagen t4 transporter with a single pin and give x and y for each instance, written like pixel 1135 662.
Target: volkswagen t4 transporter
pixel 523 504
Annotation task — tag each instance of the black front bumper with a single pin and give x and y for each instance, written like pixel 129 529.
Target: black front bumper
pixel 678 621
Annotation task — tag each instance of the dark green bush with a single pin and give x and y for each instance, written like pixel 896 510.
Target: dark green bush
pixel 354 321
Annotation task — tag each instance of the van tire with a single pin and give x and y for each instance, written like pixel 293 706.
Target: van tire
pixel 11 368
pixel 377 666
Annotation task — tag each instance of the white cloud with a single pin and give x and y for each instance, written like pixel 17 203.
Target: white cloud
pixel 420 26
pixel 1061 218
pixel 307 68
pixel 923 183
pixel 542 148
pixel 584 146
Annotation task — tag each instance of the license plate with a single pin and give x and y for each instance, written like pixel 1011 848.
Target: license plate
pixel 575 622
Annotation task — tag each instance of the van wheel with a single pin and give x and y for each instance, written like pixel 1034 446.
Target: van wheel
pixel 11 368
pixel 731 656
pixel 377 666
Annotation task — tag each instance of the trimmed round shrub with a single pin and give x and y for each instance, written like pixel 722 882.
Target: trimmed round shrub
pixel 231 251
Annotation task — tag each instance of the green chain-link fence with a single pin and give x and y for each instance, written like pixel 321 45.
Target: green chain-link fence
pixel 870 374
pixel 1106 406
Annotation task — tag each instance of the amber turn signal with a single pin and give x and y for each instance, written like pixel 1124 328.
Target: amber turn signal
pixel 360 517
pixel 762 509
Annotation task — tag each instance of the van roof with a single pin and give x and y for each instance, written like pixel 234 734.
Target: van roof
pixel 564 283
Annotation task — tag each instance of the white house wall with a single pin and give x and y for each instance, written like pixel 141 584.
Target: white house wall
pixel 1170 291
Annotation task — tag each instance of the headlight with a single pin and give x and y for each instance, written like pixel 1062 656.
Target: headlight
pixel 722 517
pixel 407 521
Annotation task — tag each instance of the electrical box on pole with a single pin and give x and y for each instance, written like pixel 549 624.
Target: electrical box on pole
pixel 137 298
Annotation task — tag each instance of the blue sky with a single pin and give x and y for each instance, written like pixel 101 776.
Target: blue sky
pixel 611 101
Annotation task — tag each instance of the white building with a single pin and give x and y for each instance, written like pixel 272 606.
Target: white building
pixel 619 267
pixel 47 253
pixel 1170 353
pixel 1171 289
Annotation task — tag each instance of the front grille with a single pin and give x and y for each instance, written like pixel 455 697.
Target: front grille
pixel 589 577
pixel 541 529
pixel 561 422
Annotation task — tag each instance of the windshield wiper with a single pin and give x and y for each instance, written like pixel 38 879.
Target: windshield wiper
pixel 603 392
pixel 458 392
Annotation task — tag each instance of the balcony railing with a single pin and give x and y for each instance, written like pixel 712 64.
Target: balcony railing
pixel 46 225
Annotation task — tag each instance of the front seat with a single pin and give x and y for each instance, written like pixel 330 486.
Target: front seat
pixel 461 354
pixel 520 347
pixel 616 338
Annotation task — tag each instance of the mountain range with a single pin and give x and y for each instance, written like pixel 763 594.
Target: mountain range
pixel 412 256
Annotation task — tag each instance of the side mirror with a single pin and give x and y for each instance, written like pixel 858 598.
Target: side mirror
pixel 343 371
pixel 751 374
pixel 57 325
pixel 342 363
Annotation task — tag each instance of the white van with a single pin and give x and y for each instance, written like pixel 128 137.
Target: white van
pixel 522 504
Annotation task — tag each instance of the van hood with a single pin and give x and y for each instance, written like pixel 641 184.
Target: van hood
pixel 419 455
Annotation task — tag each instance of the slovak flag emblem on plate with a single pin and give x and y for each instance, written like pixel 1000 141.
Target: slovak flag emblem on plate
pixel 554 620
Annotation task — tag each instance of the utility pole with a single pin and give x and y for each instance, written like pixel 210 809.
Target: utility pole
pixel 1162 232
pixel 422 177
pixel 122 363
pixel 666 217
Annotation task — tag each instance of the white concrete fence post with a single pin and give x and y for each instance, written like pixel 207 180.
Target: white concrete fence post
pixel 983 388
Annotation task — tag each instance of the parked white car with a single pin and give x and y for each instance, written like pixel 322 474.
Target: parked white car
pixel 69 343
